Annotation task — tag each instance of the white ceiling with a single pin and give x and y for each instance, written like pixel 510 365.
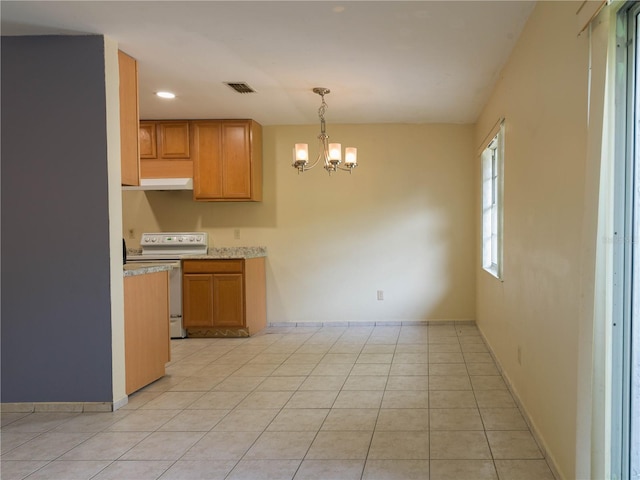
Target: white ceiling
pixel 384 61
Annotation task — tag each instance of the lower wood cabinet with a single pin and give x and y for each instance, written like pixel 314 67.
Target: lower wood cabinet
pixel 146 328
pixel 223 298
pixel 213 300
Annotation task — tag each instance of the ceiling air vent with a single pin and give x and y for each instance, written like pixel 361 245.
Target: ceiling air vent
pixel 240 87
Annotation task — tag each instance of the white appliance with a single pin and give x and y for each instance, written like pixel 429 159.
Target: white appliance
pixel 169 248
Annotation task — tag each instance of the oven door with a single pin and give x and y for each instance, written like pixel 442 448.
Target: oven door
pixel 175 293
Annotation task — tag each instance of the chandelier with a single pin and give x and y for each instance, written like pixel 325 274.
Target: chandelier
pixel 329 153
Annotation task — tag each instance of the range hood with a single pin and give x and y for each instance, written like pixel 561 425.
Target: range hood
pixel 162 184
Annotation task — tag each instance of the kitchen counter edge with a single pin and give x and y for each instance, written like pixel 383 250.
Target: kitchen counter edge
pixel 229 253
pixel 131 269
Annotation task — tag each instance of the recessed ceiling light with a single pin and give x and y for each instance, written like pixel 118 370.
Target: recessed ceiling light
pixel 166 94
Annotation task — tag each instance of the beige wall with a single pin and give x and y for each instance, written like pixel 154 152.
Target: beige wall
pixel 542 94
pixel 403 222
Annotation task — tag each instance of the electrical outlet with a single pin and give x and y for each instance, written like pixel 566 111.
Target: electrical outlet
pixel 236 234
pixel 132 233
pixel 380 294
pixel 519 355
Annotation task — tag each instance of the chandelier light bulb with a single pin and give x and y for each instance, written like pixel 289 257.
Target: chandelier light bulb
pixel 335 151
pixel 302 152
pixel 351 156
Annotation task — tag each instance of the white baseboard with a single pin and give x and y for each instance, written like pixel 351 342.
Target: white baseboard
pixel 384 323
pixel 59 407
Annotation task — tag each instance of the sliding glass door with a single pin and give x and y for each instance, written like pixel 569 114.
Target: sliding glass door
pixel 634 357
pixel 626 254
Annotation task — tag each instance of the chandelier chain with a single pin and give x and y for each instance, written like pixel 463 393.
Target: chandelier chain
pixel 321 110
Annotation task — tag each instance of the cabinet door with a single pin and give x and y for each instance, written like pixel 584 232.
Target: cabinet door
pixel 236 160
pixel 147 135
pixel 174 139
pixel 146 328
pixel 207 160
pixel 130 163
pixel 228 304
pixel 197 300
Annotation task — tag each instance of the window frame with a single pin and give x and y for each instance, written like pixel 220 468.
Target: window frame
pixel 492 201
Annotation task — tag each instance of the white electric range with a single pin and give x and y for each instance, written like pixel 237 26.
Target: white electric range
pixel 168 248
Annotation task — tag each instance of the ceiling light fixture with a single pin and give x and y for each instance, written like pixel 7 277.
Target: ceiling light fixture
pixel 166 94
pixel 329 153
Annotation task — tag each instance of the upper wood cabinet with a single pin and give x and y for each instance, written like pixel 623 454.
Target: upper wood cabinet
pixel 165 149
pixel 173 139
pixel 224 157
pixel 130 165
pixel 227 160
pixel 148 140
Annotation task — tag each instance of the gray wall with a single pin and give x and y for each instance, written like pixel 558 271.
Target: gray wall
pixel 56 313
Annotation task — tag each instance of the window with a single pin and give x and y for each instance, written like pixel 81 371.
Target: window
pixel 492 184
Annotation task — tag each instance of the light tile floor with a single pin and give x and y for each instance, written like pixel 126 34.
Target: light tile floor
pixel 329 403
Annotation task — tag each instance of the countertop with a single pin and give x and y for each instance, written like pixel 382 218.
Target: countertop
pixel 230 252
pixel 133 269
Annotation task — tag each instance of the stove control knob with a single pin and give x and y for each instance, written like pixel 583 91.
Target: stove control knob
pixel 198 239
pixel 191 239
pixel 180 239
pixel 154 239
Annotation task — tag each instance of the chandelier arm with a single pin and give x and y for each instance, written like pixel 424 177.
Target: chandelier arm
pixel 309 167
